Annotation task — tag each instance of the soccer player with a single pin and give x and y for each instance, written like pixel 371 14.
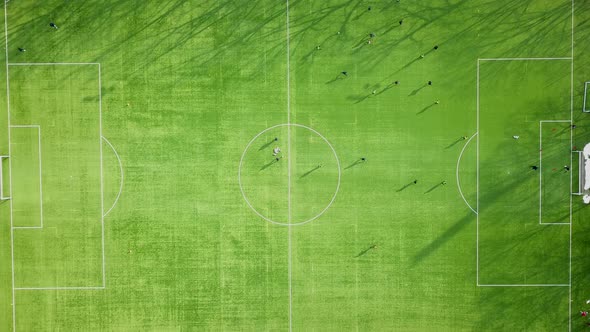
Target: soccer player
pixel 401 22
pixel 436 47
pixel 20 49
pixel 276 139
pixel 534 167
pixel 429 82
pixel 437 102
pixel 415 181
pixel 276 151
pixel 363 159
pixel 464 137
pixel 396 82
pixel 51 24
pixel 443 183
pixel 516 137
pixel 566 168
pixel 345 73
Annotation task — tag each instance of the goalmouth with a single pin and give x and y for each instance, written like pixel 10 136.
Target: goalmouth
pixel 2 196
pixel 584 174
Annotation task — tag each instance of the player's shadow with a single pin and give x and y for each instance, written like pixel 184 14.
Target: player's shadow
pixel 408 64
pixel 454 143
pixel 433 188
pixel 426 108
pixel 415 92
pixel 386 88
pixel 266 145
pixel 268 165
pixel 358 162
pixel 405 186
pixel 338 77
pixel 365 251
pixel 310 171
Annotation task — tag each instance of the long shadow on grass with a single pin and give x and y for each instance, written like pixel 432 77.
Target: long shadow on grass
pixel 469 218
pixel 426 108
pixel 455 142
pixel 268 165
pixel 365 251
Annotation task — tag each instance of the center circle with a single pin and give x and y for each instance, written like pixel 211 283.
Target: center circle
pixel 289 174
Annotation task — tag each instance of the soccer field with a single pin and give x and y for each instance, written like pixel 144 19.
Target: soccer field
pixel 294 165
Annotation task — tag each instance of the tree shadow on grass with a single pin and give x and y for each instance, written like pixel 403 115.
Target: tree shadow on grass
pixel 433 188
pixel 469 218
pixel 266 145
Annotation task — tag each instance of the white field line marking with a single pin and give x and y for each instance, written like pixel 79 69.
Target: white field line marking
pixel 58 288
pixel 571 160
pixel 477 184
pixel 101 180
pixel 121 179
pixel 457 173
pixel 338 164
pixel 38 127
pixel 523 285
pixel 290 260
pixel 52 63
pixel 2 197
pixel 523 59
pixel 104 278
pixel 477 178
pixel 541 172
pixel 9 168
pixel 585 93
pixel 581 167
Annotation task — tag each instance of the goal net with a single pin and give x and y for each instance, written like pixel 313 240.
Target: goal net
pixel 3 168
pixel 584 174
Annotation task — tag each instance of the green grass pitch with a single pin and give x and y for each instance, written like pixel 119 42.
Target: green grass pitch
pixel 136 146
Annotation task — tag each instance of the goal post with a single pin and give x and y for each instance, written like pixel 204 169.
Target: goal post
pixel 581 171
pixel 2 168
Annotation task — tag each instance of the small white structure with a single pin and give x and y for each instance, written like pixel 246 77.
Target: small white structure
pixel 585 176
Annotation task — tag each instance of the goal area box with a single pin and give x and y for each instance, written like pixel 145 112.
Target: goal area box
pixel 4 184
